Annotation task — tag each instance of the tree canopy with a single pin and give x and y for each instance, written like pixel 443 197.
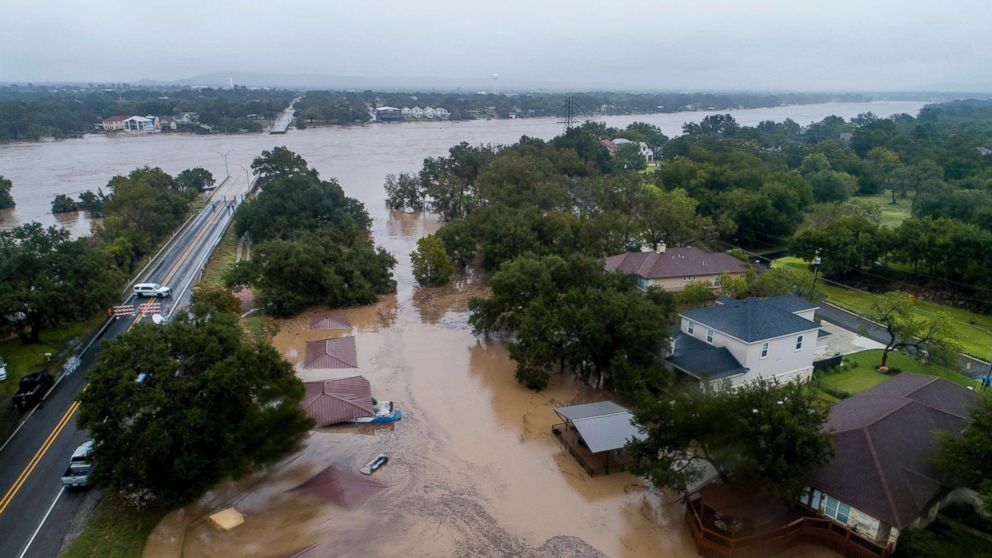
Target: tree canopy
pixel 6 200
pixel 966 459
pixel 175 408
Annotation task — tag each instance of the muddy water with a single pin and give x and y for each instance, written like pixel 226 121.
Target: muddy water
pixel 475 470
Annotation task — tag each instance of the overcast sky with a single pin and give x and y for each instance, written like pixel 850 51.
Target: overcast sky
pixel 877 45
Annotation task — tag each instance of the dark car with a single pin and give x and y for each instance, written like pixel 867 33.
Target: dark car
pixel 31 389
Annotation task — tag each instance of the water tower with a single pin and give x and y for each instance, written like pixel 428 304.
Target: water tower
pixel 495 85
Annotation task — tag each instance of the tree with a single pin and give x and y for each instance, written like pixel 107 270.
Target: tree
pixel 459 242
pixel 831 186
pixel 774 282
pixel 6 200
pixel 197 179
pixel 48 279
pixel 175 408
pixel 404 192
pixel 849 244
pixel 63 204
pixel 695 294
pixel 763 434
pixel 966 459
pixel 628 159
pixel 431 265
pixel 279 163
pixel 216 298
pixel 670 217
pixel 929 337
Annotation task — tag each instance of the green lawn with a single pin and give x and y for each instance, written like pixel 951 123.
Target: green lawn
pixel 972 331
pixel 222 258
pixel 858 372
pixel 23 359
pixel 113 531
pixel 892 215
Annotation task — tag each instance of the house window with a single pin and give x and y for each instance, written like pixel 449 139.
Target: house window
pixel 799 342
pixel 709 335
pixel 691 328
pixel 835 509
pixel 764 350
pixel 689 278
pixel 640 282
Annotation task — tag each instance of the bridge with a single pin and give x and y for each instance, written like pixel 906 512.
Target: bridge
pixel 281 125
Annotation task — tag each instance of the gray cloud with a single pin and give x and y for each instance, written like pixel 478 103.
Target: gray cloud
pixel 699 44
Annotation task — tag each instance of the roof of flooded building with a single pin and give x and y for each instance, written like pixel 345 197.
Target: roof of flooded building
pixel 334 321
pixel 687 261
pixel 332 401
pixel 603 425
pixel 338 352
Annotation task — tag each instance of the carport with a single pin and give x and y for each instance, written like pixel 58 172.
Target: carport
pixel 595 434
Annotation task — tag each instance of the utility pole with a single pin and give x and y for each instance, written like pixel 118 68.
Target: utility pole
pixel 816 267
pixel 568 109
pixel 224 155
pixel 247 176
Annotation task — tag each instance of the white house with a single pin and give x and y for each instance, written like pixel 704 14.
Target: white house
pixel 442 113
pixel 646 151
pixel 743 340
pixel 417 112
pixel 141 124
pixel 406 113
pixel 429 113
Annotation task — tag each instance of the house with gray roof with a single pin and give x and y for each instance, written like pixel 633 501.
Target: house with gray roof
pixel 674 268
pixel 743 340
pixel 881 479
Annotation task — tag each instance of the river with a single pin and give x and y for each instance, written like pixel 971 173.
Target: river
pixel 474 468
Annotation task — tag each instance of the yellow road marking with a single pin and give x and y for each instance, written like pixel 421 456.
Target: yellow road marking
pixel 33 463
pixel 37 456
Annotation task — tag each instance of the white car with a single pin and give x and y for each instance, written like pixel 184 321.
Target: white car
pixel 152 290
pixel 3 370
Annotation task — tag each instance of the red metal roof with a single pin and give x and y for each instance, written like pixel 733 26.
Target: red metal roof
pixel 340 486
pixel 675 262
pixel 338 352
pixel 334 321
pixel 332 401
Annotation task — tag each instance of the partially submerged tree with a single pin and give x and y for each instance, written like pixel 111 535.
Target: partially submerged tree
pixel 175 408
pixel 430 261
pixel 64 204
pixel 764 434
pixel 929 337
pixel 6 200
pixel 196 179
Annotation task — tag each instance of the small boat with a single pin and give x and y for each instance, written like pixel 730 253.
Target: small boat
pixel 384 412
pixel 375 464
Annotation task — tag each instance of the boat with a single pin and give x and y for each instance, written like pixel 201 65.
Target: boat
pixel 384 412
pixel 375 464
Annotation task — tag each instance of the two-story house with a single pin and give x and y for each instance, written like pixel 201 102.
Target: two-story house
pixel 743 340
pixel 673 268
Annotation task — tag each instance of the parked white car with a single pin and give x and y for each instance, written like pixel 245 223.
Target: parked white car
pixel 152 290
pixel 3 370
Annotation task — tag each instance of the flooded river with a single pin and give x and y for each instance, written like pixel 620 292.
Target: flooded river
pixel 474 468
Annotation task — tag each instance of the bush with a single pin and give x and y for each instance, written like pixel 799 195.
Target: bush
pixel 836 392
pixel 430 261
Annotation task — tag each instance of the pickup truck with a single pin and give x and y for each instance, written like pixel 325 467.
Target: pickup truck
pixel 31 389
pixel 77 474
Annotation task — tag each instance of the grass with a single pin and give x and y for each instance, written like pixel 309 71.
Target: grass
pixel 858 372
pixel 972 331
pixel 23 359
pixel 113 531
pixel 892 214
pixel 222 259
pixel 948 535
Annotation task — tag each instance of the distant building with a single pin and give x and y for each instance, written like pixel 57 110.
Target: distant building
pixel 141 124
pixel 388 114
pixel 984 151
pixel 442 113
pixel 114 123
pixel 417 113
pixel 672 269
pixel 846 137
pixel 407 113
pixel 429 113
pixel 646 151
pixel 610 146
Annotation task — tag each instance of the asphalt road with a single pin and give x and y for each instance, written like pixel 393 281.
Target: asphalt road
pixel 33 506
pixel 970 367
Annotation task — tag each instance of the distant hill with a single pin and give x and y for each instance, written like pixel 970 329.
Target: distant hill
pixel 378 83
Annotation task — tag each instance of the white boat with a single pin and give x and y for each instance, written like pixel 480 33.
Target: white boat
pixel 384 412
pixel 375 464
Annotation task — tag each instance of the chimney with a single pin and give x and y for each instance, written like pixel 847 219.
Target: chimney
pixel 660 248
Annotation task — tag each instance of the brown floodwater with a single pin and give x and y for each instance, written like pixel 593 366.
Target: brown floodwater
pixel 474 468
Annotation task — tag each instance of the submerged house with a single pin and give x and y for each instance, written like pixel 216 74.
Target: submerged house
pixel 337 352
pixel 742 340
pixel 595 434
pixel 673 268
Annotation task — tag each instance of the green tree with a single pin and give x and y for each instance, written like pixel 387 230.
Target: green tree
pixel 929 336
pixel 404 192
pixel 197 179
pixel 847 245
pixel 48 279
pixel 175 408
pixel 763 434
pixel 459 241
pixel 430 261
pixel 774 282
pixel 670 217
pixel 628 159
pixel 64 204
pixel 216 298
pixel 278 163
pixel 831 186
pixel 6 200
pixel 695 294
pixel 966 459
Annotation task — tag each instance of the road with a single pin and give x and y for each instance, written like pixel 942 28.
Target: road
pixel 33 460
pixel 281 125
pixel 968 366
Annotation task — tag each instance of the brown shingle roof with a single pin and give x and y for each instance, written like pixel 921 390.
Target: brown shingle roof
pixel 675 262
pixel 334 321
pixel 339 352
pixel 883 439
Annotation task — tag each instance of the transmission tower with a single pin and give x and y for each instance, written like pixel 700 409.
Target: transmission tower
pixel 568 112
